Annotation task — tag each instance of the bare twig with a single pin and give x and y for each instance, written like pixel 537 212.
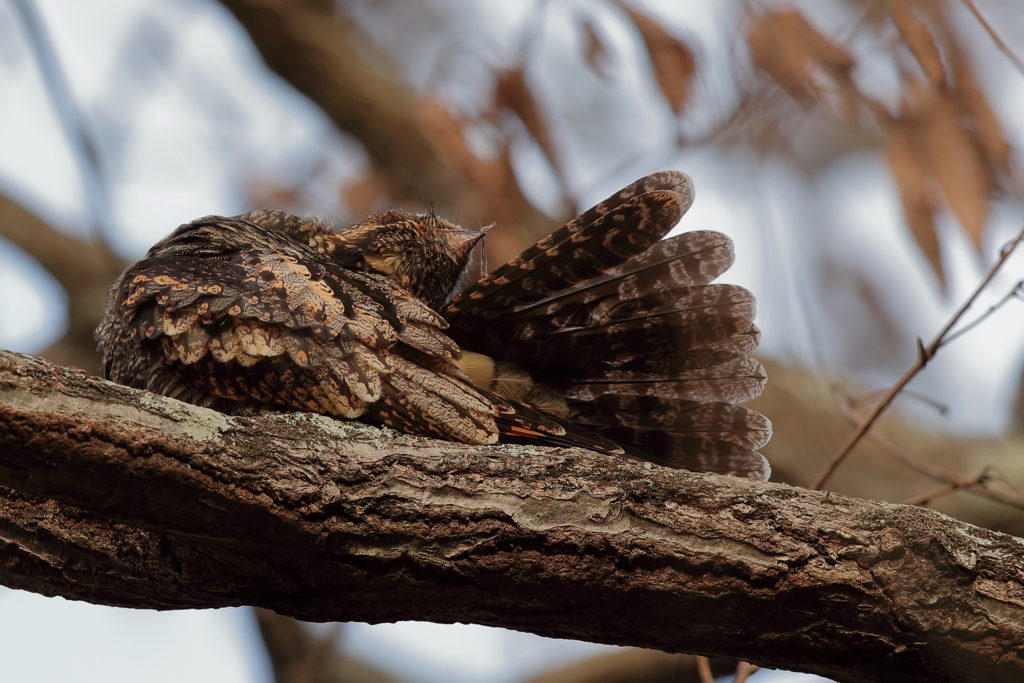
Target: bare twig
pixel 926 498
pixel 995 36
pixel 978 486
pixel 924 355
pixel 870 396
pixel 79 137
pixel 1015 293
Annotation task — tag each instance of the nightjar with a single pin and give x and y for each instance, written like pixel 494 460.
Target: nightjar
pixel 602 335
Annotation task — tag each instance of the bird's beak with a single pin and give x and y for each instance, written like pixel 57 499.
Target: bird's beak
pixel 462 241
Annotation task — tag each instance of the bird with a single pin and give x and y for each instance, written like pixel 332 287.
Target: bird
pixel 602 335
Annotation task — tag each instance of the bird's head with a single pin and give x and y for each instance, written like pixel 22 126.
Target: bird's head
pixel 421 253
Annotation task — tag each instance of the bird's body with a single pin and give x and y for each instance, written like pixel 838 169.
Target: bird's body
pixel 600 335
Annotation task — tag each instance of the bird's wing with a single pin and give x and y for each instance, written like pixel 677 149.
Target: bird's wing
pixel 628 329
pixel 607 235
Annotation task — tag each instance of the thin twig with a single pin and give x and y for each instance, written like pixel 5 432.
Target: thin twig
pixel 995 36
pixel 926 498
pixel 1014 293
pixel 870 396
pixel 924 355
pixel 978 486
pixel 81 140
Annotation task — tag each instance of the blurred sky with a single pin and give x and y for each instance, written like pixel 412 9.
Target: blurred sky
pixel 188 120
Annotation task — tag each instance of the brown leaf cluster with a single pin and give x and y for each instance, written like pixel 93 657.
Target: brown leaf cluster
pixel 485 187
pixel 673 61
pixel 943 143
pixel 805 64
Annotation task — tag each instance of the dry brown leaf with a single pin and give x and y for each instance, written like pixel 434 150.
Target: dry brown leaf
pixel 965 142
pixel 986 126
pixel 929 144
pixel 596 55
pixel 920 41
pixel 511 92
pixel 958 167
pixel 907 158
pixel 802 61
pixel 673 62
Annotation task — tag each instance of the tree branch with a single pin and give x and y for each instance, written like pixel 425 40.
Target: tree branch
pixel 414 142
pixel 121 497
pixel 85 269
pixel 810 424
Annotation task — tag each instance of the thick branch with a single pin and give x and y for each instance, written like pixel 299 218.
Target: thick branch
pixel 120 497
pixel 308 45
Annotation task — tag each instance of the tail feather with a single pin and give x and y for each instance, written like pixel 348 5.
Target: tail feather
pixel 736 380
pixel 586 354
pixel 693 435
pixel 684 306
pixel 583 338
pixel 694 452
pixel 691 259
pixel 734 426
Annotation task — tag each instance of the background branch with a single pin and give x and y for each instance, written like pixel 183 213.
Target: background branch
pixel 84 269
pixel 924 355
pixel 121 497
pixel 414 142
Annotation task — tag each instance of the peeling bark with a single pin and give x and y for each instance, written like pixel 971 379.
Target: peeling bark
pixel 120 497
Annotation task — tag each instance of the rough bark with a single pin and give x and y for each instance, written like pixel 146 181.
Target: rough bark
pixel 120 497
pixel 810 426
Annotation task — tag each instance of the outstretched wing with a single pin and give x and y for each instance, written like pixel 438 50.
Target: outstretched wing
pixel 644 349
pixel 603 237
pixel 275 326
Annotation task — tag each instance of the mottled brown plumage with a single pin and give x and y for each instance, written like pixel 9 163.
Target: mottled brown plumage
pixel 269 311
pixel 628 330
pixel 601 335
